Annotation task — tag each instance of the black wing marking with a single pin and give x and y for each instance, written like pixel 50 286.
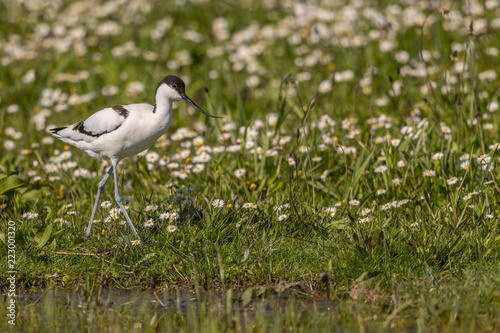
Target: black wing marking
pixel 55 130
pixel 121 110
pixel 80 127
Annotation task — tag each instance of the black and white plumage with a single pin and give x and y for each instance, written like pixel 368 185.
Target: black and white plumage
pixel 125 130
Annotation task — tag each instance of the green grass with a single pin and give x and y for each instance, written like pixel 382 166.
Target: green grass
pixel 428 264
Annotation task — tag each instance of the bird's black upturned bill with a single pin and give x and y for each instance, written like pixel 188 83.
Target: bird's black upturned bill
pixel 187 99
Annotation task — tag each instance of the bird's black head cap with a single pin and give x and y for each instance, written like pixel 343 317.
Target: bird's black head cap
pixel 175 83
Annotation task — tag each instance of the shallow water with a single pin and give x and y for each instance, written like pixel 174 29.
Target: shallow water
pixel 168 301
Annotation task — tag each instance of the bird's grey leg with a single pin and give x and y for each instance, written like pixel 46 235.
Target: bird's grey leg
pixel 119 201
pixel 99 190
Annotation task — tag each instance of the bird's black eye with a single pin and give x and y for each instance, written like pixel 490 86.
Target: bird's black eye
pixel 174 85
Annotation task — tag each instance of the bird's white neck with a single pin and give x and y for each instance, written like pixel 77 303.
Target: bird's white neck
pixel 162 114
pixel 163 104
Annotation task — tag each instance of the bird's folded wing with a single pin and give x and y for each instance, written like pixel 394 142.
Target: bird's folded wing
pixel 100 123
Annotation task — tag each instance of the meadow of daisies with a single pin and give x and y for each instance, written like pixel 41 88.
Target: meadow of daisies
pixel 356 163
